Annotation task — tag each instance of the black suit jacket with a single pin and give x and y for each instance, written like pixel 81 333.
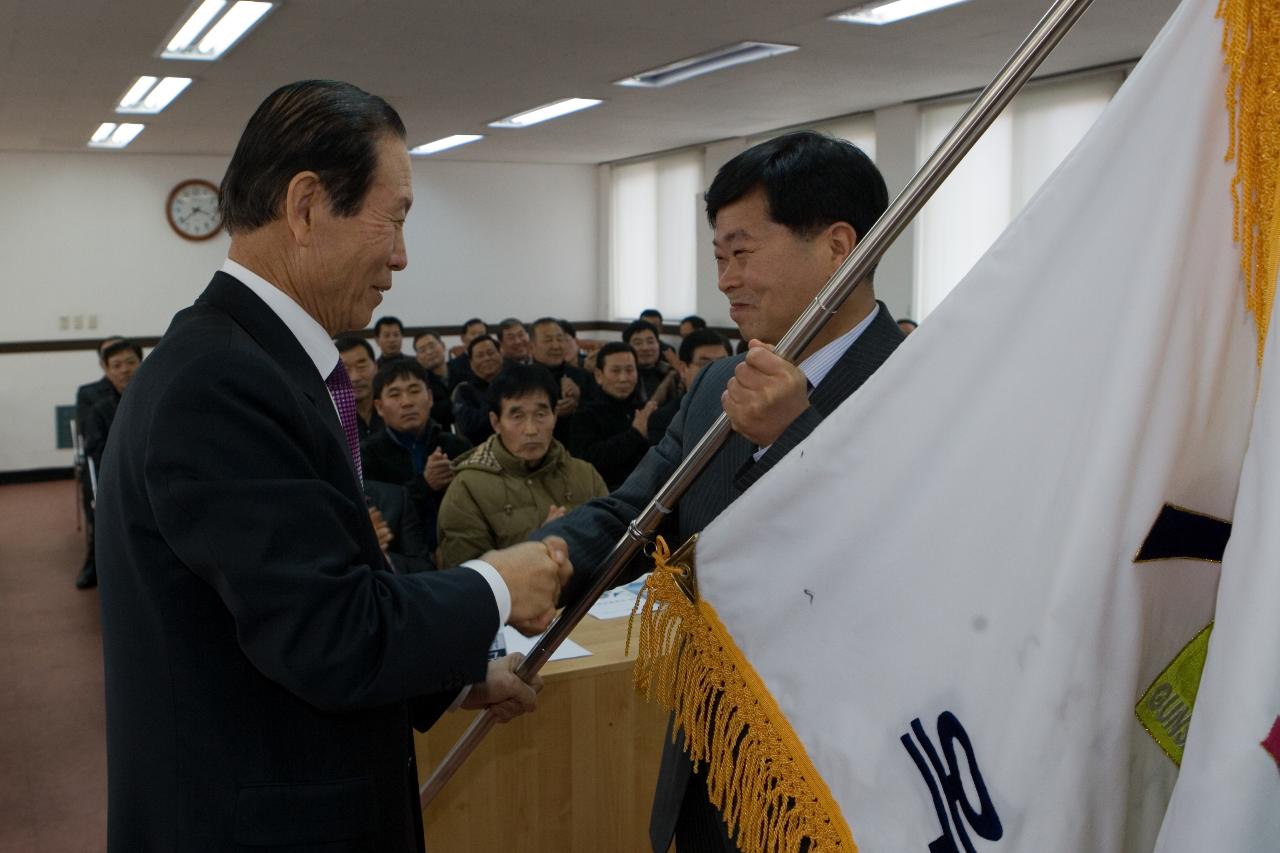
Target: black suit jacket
pixel 260 658
pixel 592 530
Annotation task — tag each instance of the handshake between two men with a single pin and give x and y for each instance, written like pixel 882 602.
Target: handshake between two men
pixel 535 573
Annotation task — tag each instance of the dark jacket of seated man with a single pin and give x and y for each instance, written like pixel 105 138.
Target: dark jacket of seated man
pixel 408 549
pixel 412 451
pixel 612 432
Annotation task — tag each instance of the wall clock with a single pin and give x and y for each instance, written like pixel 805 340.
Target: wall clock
pixel 192 210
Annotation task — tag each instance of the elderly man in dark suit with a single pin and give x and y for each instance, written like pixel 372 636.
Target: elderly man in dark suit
pixel 785 213
pixel 263 659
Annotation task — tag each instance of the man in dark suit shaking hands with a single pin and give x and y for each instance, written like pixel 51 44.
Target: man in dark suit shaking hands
pixel 785 215
pixel 263 660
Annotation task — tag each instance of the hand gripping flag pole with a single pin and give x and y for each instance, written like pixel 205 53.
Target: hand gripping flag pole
pixel 1043 38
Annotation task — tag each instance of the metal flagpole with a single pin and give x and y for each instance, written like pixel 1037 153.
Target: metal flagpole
pixel 1038 44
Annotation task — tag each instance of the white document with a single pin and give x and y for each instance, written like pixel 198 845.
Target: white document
pixel 619 601
pixel 517 642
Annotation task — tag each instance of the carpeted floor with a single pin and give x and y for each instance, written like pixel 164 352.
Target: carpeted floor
pixel 53 768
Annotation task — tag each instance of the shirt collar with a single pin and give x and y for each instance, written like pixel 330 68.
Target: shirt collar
pixel 817 366
pixel 310 334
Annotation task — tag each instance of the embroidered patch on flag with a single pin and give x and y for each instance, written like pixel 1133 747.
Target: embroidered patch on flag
pixel 1165 709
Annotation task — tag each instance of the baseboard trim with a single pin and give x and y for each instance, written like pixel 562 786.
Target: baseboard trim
pixel 36 475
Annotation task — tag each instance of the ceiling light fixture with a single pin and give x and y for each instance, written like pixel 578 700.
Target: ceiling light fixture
pixel 705 63
pixel 146 96
pixel 889 11
pixel 213 29
pixel 546 112
pixel 112 135
pixel 445 144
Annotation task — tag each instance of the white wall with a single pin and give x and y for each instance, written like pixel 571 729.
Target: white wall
pixel 85 234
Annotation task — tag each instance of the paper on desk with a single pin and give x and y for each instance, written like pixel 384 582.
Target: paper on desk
pixel 619 601
pixel 517 642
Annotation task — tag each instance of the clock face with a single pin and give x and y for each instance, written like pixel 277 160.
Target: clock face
pixel 193 210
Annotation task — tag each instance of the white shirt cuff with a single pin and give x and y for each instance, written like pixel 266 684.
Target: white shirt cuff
pixel 501 595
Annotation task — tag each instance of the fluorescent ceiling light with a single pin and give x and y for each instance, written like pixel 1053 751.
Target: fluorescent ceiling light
pixel 546 112
pixel 715 60
pixel 446 143
pixel 888 11
pixel 207 36
pixel 136 93
pixel 112 135
pixel 195 25
pixel 149 97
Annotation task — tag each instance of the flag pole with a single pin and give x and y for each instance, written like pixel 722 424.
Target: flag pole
pixel 1012 77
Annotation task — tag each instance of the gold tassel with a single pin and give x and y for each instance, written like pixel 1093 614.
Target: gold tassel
pixel 1251 44
pixel 758 773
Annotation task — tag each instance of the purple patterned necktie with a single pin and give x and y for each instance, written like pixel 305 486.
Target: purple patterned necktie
pixel 344 396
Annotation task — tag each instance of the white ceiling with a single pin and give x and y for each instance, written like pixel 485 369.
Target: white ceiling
pixel 453 67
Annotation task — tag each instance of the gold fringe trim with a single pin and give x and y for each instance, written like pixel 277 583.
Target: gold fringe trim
pixel 758 773
pixel 1251 44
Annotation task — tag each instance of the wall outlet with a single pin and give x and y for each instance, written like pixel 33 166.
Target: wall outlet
pixel 64 323
pixel 77 322
pixel 93 321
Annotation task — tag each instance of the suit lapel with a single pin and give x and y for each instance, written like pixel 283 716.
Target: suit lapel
pixel 269 331
pixel 859 361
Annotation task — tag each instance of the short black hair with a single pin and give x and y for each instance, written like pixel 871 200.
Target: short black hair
pixel 517 380
pixel 651 312
pixel 545 321
pixel 105 342
pixel 638 326
pixel 702 338
pixel 122 345
pixel 398 368
pixel 473 321
pixel 612 348
pixel 322 126
pixel 568 328
pixel 695 321
pixel 349 343
pixel 388 321
pixel 810 181
pixel 478 338
pixel 510 323
pixel 427 334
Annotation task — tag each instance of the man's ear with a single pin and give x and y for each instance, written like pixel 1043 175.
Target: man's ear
pixel 493 421
pixel 302 202
pixel 377 407
pixel 839 238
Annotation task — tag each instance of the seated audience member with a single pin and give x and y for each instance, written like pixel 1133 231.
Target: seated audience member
pixel 86 396
pixel 576 385
pixel 470 405
pixel 389 333
pixel 460 365
pixel 413 450
pixel 429 350
pixel 907 325
pixel 697 350
pixel 398 527
pixel 643 338
pixel 120 361
pixel 519 478
pixel 573 354
pixel 357 356
pixel 691 324
pixel 513 341
pixel 612 431
pixel 653 317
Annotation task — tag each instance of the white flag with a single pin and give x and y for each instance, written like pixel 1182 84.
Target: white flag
pixel 929 627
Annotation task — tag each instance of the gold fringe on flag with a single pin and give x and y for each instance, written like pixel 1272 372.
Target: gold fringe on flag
pixel 1251 44
pixel 758 773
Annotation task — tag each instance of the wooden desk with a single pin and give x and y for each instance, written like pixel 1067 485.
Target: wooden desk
pixel 576 775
